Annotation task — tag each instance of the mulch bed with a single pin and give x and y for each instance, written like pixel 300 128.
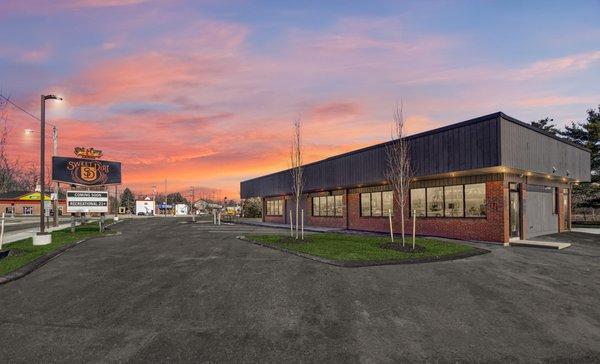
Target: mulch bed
pixel 408 248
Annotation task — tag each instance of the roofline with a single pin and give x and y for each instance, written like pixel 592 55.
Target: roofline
pixel 543 132
pixel 496 115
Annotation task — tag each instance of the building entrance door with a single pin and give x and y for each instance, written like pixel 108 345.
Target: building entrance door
pixel 514 212
pixel 566 209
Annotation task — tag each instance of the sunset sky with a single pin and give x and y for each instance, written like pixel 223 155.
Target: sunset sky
pixel 204 92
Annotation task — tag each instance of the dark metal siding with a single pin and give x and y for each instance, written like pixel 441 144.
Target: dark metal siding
pixel 487 141
pixel 467 145
pixel 529 150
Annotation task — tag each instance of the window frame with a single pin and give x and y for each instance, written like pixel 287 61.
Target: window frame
pixel 274 207
pixel 383 213
pixel 464 201
pixel 324 208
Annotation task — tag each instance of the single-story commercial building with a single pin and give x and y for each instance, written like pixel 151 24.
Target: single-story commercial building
pixel 492 178
pixel 24 203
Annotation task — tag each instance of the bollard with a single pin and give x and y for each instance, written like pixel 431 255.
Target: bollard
pixel 72 223
pixel 302 224
pixel 219 218
pixel 102 222
pixel 214 217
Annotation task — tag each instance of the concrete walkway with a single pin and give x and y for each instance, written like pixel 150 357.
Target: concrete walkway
pixel 540 244
pixel 595 231
pixel 317 229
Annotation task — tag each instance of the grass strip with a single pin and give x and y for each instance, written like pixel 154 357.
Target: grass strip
pixel 355 247
pixel 23 251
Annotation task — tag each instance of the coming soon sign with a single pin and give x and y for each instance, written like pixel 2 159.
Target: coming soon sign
pixel 87 201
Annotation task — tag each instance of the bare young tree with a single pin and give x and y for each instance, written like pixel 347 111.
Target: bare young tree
pixel 8 170
pixel 398 172
pixel 296 157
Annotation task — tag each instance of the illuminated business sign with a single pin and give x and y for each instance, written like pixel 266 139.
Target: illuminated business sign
pixel 87 201
pixel 88 153
pixel 86 172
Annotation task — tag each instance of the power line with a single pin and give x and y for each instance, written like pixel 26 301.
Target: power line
pixel 22 109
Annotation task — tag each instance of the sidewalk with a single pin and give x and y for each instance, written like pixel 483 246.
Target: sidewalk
pixel 317 229
pixel 12 236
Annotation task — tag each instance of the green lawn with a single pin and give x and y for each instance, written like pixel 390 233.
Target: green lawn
pixel 27 252
pixel 354 247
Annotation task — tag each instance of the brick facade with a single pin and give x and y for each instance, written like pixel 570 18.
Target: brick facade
pixel 494 227
pixel 490 228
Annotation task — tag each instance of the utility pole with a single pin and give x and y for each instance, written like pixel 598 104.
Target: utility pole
pixel 116 203
pixel 193 202
pixel 154 200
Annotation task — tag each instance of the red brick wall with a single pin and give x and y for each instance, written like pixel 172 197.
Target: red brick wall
pixel 274 219
pixel 491 228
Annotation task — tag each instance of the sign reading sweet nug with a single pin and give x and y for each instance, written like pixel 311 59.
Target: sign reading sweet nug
pixel 86 172
pixel 87 201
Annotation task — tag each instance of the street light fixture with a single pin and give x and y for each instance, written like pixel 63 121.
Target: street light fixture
pixel 41 236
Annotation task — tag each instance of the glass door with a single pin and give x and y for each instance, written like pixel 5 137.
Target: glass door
pixel 566 209
pixel 514 215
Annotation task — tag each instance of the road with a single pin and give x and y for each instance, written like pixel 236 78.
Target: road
pixel 170 291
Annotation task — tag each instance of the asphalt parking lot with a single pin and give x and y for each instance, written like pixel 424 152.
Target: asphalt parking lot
pixel 169 291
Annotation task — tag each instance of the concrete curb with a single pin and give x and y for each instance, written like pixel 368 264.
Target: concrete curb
pixel 358 264
pixel 39 262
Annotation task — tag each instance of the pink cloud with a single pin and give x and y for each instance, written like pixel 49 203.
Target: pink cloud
pixel 559 66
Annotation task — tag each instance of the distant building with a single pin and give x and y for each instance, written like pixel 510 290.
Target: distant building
pixel 206 206
pixel 26 203
pixel 492 178
pixel 145 207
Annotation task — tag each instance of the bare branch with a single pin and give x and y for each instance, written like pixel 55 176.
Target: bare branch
pixel 296 159
pixel 398 172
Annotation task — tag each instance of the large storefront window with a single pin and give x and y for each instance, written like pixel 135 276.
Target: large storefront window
pixel 453 200
pixel 449 201
pixel 475 200
pixel 327 206
pixel 435 202
pixel 365 204
pixel 275 207
pixel 417 202
pixel 377 203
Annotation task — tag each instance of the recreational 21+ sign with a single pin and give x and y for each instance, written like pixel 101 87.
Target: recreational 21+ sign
pixel 87 201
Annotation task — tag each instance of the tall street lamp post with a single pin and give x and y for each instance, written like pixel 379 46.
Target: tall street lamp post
pixel 41 239
pixel 55 153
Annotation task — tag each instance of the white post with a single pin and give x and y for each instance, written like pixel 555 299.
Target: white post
pixel 291 225
pixel 414 226
pixel 302 223
pixel 214 217
pixel 219 218
pixel 2 232
pixel 391 227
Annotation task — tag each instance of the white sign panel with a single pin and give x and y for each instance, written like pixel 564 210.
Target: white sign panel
pixel 87 201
